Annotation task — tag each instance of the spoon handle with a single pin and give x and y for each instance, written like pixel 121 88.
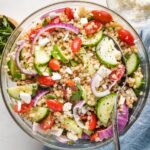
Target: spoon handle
pixel 115 127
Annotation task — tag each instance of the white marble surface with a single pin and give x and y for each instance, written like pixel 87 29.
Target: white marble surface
pixel 11 136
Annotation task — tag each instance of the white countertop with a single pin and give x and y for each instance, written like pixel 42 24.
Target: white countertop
pixel 11 136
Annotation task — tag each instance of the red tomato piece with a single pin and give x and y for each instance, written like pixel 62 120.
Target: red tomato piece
pixel 54 105
pixel 24 107
pixel 70 83
pixel 92 27
pixel 94 136
pixel 93 121
pixel 126 37
pixel 102 16
pixel 76 45
pixel 54 64
pixel 117 74
pixel 69 13
pixel 54 20
pixel 33 33
pixel 45 80
pixel 47 123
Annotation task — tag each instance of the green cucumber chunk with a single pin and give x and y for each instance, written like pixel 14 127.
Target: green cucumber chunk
pixel 132 63
pixel 104 108
pixel 139 81
pixel 41 56
pixel 15 91
pixel 57 54
pixel 43 70
pixel 13 70
pixel 105 52
pixel 94 40
pixel 38 113
pixel 72 126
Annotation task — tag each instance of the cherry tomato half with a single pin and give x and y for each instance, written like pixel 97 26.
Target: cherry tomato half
pixel 93 121
pixel 24 107
pixel 47 123
pixel 45 80
pixel 94 136
pixel 33 33
pixel 70 83
pixel 126 37
pixel 54 20
pixel 69 13
pixel 54 105
pixel 102 16
pixel 117 74
pixel 76 45
pixel 92 27
pixel 54 64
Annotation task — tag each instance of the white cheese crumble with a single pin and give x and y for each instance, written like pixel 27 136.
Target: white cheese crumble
pixel 19 105
pixel 77 79
pixel 43 41
pixel 57 132
pixel 68 70
pixel 56 76
pixel 67 106
pixel 103 71
pixel 122 100
pixel 83 21
pixel 72 136
pixel 76 14
pixel 53 15
pixel 25 97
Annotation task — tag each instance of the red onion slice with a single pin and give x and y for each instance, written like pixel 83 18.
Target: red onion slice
pixel 62 139
pixel 76 116
pixel 94 81
pixel 20 47
pixel 39 94
pixel 69 27
pixel 52 11
pixel 122 121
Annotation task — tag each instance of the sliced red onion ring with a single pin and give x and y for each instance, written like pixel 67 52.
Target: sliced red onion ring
pixel 94 81
pixel 122 121
pixel 69 27
pixel 62 139
pixel 39 94
pixel 53 11
pixel 20 47
pixel 76 116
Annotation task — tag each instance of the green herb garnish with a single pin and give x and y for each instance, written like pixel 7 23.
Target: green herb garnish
pixel 6 29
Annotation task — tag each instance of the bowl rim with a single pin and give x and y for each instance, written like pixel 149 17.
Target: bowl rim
pixel 133 120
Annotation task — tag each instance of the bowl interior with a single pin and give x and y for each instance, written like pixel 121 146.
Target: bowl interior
pixel 5 82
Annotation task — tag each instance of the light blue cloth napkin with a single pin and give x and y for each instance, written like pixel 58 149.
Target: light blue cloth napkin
pixel 138 137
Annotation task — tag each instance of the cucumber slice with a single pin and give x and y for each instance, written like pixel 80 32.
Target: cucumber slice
pixel 38 113
pixel 41 57
pixel 105 52
pixel 15 91
pixel 14 72
pixel 88 132
pixel 132 63
pixel 43 70
pixel 57 54
pixel 104 108
pixel 94 40
pixel 72 126
pixel 139 81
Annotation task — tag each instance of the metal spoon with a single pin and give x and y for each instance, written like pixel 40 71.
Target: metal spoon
pixel 115 113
